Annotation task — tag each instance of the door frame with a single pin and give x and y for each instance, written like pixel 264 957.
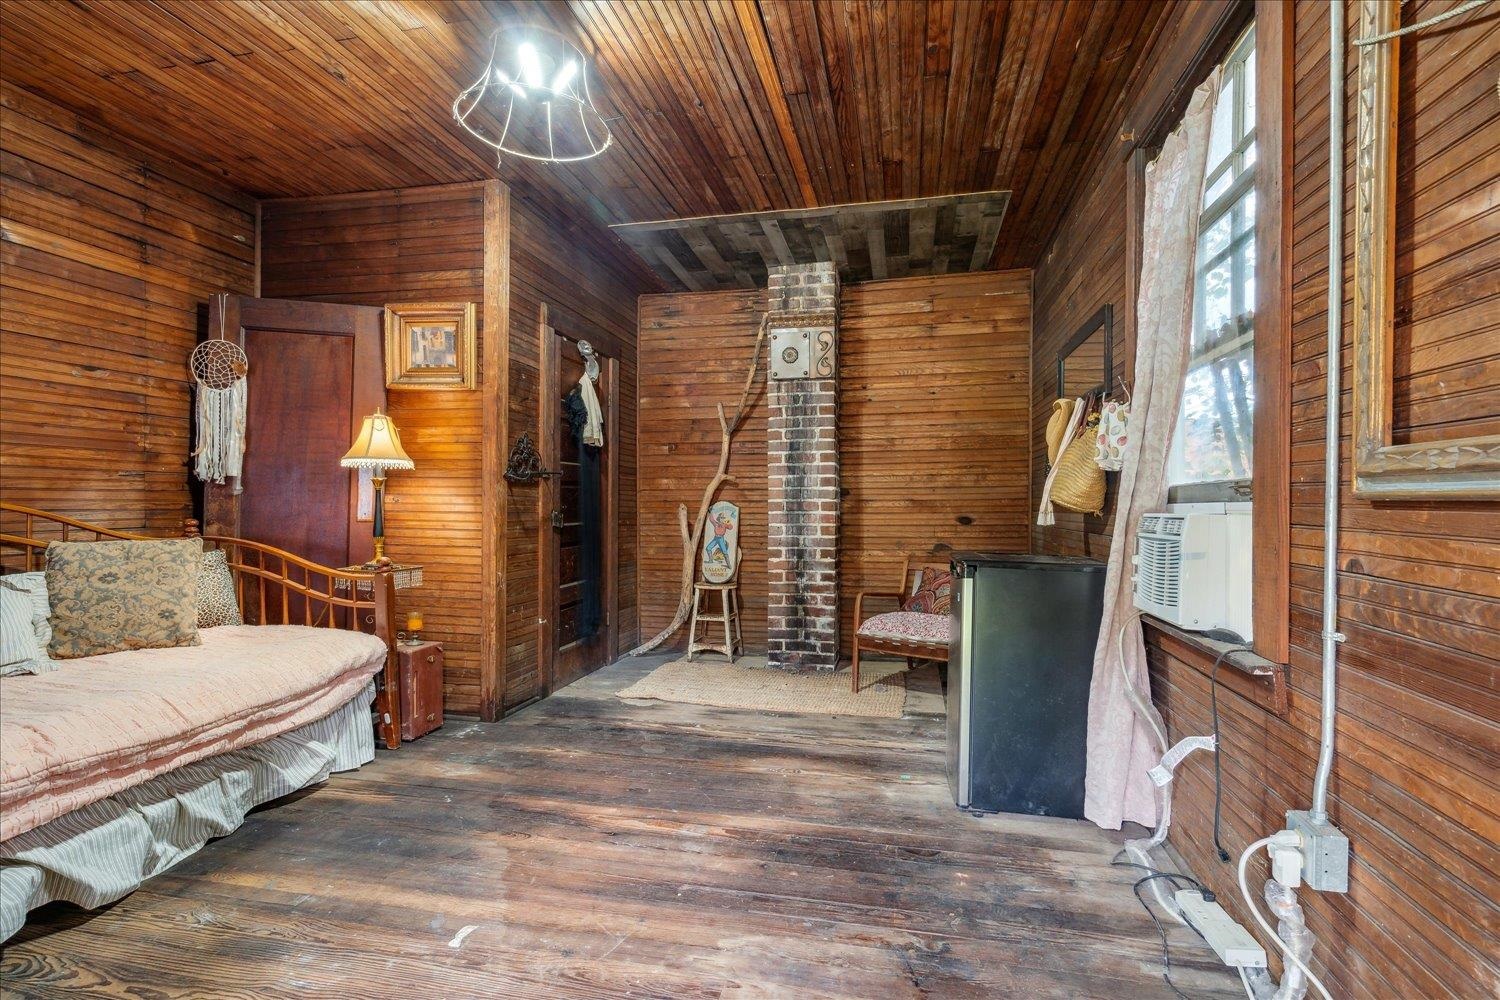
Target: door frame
pixel 364 324
pixel 548 499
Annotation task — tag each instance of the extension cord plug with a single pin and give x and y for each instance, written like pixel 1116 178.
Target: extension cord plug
pixel 1285 850
pixel 1233 944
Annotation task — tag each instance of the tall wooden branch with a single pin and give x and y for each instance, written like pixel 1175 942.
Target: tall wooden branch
pixel 691 538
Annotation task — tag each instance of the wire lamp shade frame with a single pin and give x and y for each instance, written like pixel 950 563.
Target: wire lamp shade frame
pixel 535 87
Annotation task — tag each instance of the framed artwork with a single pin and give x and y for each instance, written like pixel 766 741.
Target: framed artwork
pixel 1385 466
pixel 430 345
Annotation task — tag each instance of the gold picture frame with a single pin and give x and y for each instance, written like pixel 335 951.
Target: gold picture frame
pixel 1453 468
pixel 430 345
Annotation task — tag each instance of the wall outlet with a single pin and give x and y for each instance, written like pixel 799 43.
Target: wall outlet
pixel 1325 852
pixel 1231 942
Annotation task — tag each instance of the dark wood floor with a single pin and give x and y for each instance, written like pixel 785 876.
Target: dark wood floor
pixel 591 847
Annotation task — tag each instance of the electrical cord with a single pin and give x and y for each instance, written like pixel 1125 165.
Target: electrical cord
pixel 1245 981
pixel 1223 635
pixel 1166 951
pixel 1153 874
pixel 1286 951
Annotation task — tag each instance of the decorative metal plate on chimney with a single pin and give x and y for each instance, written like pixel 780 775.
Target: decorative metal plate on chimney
pixel 791 354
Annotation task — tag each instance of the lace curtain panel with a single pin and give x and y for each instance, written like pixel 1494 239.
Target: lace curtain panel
pixel 1120 747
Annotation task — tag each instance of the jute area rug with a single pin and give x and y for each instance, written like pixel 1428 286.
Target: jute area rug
pixel 750 684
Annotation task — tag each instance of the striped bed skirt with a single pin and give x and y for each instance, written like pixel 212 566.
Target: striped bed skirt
pixel 102 851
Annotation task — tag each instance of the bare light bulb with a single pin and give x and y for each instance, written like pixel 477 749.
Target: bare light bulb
pixel 531 63
pixel 564 76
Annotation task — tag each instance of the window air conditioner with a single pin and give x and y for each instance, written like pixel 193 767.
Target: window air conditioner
pixel 1192 567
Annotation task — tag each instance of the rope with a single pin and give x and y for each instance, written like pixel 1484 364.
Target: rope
pixel 1446 15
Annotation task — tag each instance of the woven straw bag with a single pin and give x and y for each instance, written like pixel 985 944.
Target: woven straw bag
pixel 1057 425
pixel 1079 482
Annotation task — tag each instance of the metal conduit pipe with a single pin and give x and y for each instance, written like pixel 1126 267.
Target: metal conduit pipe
pixel 1331 635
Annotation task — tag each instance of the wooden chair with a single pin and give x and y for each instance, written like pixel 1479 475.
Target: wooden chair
pixel 911 645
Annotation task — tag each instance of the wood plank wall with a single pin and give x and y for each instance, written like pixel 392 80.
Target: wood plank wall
pixel 1415 785
pixel 589 283
pixel 428 244
pixel 409 246
pixel 109 259
pixel 933 428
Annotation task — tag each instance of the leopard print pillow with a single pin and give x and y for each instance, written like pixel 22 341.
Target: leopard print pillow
pixel 216 603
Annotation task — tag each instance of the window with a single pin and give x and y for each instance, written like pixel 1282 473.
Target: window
pixel 1213 442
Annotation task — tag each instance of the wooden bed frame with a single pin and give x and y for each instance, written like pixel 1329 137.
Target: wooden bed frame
pixel 265 578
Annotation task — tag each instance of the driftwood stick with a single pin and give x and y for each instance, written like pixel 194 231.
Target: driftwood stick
pixel 690 539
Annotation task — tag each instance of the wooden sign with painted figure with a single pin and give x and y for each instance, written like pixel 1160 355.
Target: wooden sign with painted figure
pixel 721 545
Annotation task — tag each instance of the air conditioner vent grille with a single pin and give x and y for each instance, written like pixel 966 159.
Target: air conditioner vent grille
pixel 1159 568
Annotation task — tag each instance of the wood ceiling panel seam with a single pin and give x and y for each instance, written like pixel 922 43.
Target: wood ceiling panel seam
pixel 753 31
pixel 744 134
pixel 664 103
pixel 336 52
pixel 665 174
pixel 839 71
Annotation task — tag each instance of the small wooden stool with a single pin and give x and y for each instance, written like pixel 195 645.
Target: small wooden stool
pixel 729 615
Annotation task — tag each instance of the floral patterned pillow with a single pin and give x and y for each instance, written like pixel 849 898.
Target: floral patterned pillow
pixel 109 596
pixel 934 595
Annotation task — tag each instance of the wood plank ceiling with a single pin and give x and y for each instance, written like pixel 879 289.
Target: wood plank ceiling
pixel 723 106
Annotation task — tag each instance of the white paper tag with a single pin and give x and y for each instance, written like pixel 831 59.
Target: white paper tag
pixel 1162 773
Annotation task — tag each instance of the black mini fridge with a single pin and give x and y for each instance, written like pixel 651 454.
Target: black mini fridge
pixel 1020 659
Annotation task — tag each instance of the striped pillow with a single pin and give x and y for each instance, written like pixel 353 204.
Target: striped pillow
pixel 19 652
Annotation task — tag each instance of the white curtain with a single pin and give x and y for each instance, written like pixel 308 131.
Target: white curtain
pixel 1120 747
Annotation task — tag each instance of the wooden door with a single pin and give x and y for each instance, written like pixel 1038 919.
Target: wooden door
pixel 315 374
pixel 575 642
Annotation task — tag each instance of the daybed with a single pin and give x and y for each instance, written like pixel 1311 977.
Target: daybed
pixel 115 767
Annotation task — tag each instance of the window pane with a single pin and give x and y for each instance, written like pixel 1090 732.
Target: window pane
pixel 1221 138
pixel 1214 239
pixel 1247 124
pixel 1218 187
pixel 1213 287
pixel 1213 440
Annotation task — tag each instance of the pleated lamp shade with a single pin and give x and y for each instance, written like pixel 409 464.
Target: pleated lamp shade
pixel 378 446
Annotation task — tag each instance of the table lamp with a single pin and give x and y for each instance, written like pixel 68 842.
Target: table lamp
pixel 378 448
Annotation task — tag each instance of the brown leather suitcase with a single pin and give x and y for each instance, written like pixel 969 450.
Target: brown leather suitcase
pixel 421 689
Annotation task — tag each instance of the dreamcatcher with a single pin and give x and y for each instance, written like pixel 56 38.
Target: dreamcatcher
pixel 219 368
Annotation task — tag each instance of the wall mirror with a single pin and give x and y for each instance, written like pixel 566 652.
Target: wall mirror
pixel 1426 403
pixel 1085 363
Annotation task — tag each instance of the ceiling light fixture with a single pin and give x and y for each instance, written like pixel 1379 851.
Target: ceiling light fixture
pixel 535 120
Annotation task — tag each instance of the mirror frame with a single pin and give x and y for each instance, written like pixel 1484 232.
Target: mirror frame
pixel 1454 468
pixel 1103 319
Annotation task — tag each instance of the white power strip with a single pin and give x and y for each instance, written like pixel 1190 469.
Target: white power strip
pixel 1231 942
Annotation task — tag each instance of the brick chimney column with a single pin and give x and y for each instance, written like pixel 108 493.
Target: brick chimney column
pixel 803 486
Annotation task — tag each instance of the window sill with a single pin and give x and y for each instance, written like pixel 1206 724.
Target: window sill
pixel 1262 681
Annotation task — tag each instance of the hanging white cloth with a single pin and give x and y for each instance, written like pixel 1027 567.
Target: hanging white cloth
pixel 1120 748
pixel 593 427
pixel 1045 517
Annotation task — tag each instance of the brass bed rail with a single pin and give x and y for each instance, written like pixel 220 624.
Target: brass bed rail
pixel 272 586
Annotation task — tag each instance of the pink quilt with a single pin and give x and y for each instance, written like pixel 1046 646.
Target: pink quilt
pixel 100 724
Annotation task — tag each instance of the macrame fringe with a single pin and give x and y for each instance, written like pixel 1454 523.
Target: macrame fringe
pixel 221 432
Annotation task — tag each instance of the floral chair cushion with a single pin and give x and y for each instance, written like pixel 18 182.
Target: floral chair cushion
pixel 907 626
